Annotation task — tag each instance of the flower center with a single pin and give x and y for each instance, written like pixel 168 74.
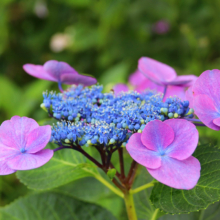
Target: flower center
pixel 23 150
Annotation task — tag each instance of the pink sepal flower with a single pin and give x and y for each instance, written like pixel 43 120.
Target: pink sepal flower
pixel 206 98
pixel 163 74
pixel 21 145
pixel 165 149
pixel 120 87
pixel 60 72
pixel 189 96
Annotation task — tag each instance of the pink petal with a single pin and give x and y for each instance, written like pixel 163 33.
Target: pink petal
pixel 148 84
pixel 38 72
pixel 14 132
pixel 189 96
pixel 206 111
pixel 56 69
pixel 185 141
pixel 157 136
pixel 4 169
pixel 38 139
pixel 216 121
pixel 184 80
pixel 7 152
pixel 118 88
pixel 156 71
pixel 136 78
pixel 78 79
pixel 141 154
pixel 182 174
pixel 25 161
pixel 178 91
pixel 208 84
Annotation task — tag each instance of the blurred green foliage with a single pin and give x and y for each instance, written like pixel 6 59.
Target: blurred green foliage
pixel 104 38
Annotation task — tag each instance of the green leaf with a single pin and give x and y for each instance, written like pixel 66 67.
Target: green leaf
pixel 111 173
pixel 51 206
pixel 206 192
pixel 66 166
pixel 116 74
pixel 32 97
pixel 10 97
pixel 91 190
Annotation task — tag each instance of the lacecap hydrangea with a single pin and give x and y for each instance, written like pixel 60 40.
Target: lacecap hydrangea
pixel 87 116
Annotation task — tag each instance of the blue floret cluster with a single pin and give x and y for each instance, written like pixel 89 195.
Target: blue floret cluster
pixel 87 116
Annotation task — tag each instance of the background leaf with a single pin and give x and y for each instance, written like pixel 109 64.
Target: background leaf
pixel 65 166
pixel 91 190
pixel 51 206
pixel 206 192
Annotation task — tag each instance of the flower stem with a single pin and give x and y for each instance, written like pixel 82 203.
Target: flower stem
pixel 60 86
pixel 164 91
pixel 145 186
pixel 107 184
pixel 120 154
pixel 193 119
pixel 154 216
pixel 198 124
pixel 129 203
pixel 61 147
pixel 131 173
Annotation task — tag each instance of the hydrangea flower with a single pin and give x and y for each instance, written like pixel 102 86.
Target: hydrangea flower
pixel 21 145
pixel 141 83
pixel 206 98
pixel 60 72
pixel 163 74
pixel 93 115
pixel 165 149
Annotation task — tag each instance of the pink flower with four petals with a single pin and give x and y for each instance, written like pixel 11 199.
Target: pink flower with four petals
pixel 165 149
pixel 21 145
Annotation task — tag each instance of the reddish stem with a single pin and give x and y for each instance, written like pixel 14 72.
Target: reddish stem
pixel 131 174
pixel 121 160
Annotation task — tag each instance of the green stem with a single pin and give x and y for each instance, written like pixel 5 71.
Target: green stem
pixel 145 186
pixel 129 203
pixel 154 216
pixel 107 184
pixel 201 214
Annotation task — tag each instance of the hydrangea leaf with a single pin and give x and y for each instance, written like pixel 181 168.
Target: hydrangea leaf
pixel 206 192
pixel 91 190
pixel 65 166
pixel 53 205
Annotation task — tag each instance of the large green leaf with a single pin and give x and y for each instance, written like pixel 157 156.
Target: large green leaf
pixel 10 96
pixel 91 190
pixel 66 166
pixel 207 190
pixel 53 206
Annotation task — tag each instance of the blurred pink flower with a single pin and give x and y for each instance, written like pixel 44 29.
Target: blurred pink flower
pixel 206 98
pixel 189 96
pixel 161 27
pixel 60 72
pixel 163 74
pixel 165 149
pixel 120 87
pixel 21 145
